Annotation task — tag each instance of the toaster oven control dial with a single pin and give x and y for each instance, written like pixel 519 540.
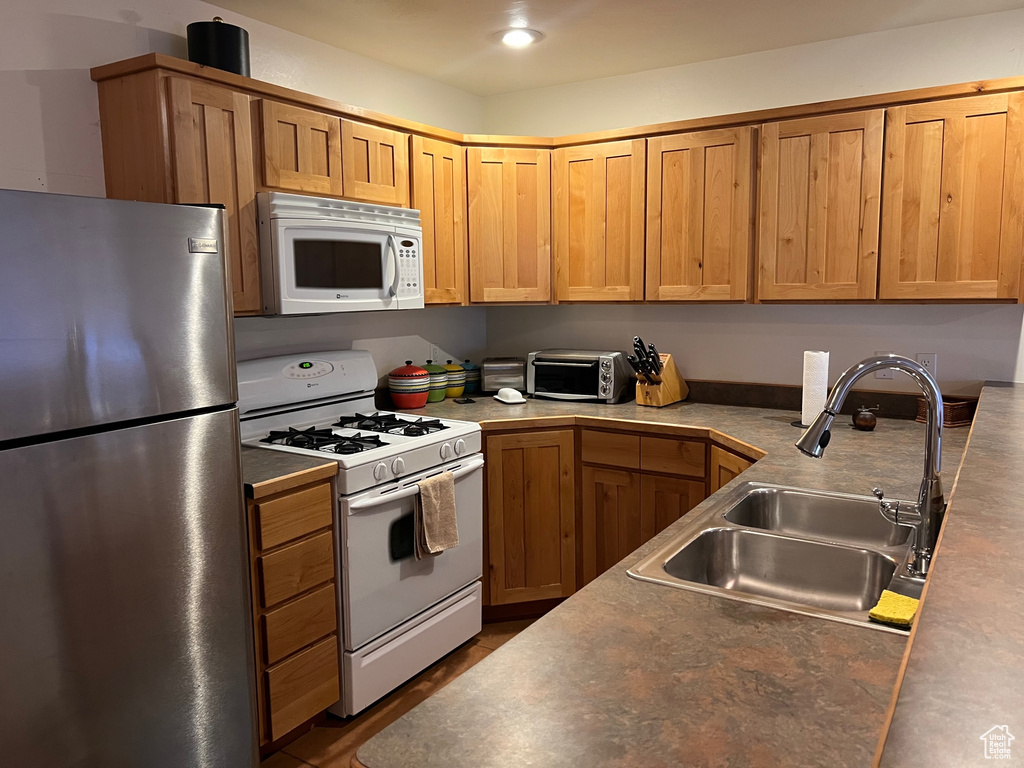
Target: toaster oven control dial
pixel 605 390
pixel 606 365
pixel 606 377
pixel 460 447
pixel 398 465
pixel 380 471
pixel 446 450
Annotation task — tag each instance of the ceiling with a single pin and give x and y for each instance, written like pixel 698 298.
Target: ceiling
pixel 450 40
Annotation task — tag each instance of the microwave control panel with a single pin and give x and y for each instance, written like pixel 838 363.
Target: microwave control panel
pixel 409 267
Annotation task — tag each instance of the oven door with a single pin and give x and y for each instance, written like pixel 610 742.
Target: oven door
pixel 322 267
pixel 382 582
pixel 565 379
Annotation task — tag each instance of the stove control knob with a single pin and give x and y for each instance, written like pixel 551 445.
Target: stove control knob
pixel 446 450
pixel 398 465
pixel 460 447
pixel 380 471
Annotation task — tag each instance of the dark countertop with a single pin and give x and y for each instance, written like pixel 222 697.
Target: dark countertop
pixel 265 471
pixel 965 669
pixel 629 673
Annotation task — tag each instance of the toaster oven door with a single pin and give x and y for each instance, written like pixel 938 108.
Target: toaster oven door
pixel 566 379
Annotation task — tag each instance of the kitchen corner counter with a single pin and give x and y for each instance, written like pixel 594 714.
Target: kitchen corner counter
pixel 632 673
pixel 267 472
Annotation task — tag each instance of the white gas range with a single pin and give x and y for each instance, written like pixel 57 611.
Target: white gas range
pixel 399 614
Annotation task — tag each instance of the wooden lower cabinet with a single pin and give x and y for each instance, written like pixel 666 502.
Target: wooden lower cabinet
pixel 726 466
pixel 530 501
pixel 295 605
pixel 663 500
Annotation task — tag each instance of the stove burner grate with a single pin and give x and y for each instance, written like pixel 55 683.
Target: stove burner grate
pixel 311 437
pixel 392 424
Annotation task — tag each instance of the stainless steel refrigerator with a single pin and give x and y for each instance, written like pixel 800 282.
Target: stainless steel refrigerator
pixel 125 622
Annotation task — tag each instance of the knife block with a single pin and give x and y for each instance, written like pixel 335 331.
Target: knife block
pixel 668 387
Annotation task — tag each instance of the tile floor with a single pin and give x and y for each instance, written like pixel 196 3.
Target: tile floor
pixel 334 744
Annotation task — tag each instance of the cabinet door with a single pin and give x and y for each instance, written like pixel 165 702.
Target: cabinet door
pixel 211 155
pixel 699 216
pixel 301 150
pixel 819 208
pixel 612 527
pixel 663 500
pixel 725 467
pixel 953 210
pixel 439 193
pixel 531 516
pixel 599 222
pixel 509 224
pixel 375 163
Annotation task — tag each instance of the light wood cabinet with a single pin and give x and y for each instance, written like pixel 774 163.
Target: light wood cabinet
pixel 953 203
pixel 301 149
pixel 700 189
pixel 530 516
pixel 598 221
pixel 294 600
pixel 439 193
pixel 612 524
pixel 509 224
pixel 663 500
pixel 375 163
pixel 725 467
pixel 819 208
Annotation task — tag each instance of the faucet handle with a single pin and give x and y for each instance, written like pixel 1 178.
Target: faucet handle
pixel 878 493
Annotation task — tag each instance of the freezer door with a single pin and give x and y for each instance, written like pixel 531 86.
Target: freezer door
pixel 109 311
pixel 125 619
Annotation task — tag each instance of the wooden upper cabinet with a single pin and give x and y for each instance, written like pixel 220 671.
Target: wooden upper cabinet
pixel 699 216
pixel 439 193
pixel 211 158
pixel 531 516
pixel 375 163
pixel 598 222
pixel 509 224
pixel 819 207
pixel 953 208
pixel 301 150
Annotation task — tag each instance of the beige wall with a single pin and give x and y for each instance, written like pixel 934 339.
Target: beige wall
pixel 930 54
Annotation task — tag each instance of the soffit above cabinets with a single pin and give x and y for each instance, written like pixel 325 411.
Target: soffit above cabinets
pixel 451 40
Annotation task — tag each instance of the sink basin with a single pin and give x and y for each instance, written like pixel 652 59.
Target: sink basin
pixel 830 517
pixel 829 576
pixel 816 553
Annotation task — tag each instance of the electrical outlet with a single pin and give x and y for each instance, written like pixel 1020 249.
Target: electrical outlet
pixel 886 373
pixel 929 361
pixel 436 354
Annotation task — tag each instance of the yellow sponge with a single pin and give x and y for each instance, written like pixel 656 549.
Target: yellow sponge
pixel 895 609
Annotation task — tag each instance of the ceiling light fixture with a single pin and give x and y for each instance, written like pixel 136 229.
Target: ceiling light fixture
pixel 518 37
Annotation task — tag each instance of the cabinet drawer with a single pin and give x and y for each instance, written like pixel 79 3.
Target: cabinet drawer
pixel 302 686
pixel 297 624
pixel 674 457
pixel 611 448
pixel 294 515
pixel 296 568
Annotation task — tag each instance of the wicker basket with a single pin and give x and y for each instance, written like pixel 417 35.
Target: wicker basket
pixel 956 412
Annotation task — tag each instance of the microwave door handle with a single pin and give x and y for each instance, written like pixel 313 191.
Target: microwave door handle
pixel 392 275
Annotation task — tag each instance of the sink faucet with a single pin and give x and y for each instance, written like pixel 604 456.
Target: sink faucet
pixel 930 502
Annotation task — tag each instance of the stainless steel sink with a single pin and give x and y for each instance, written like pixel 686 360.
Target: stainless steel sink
pixel 826 516
pixel 811 552
pixel 829 576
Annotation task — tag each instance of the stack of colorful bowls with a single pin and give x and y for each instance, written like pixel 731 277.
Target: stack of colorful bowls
pixel 456 379
pixel 438 382
pixel 409 385
pixel 472 377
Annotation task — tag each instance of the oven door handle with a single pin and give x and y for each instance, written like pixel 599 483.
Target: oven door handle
pixel 538 363
pixel 472 464
pixel 393 276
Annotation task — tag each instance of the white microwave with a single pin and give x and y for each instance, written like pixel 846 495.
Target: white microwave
pixel 320 255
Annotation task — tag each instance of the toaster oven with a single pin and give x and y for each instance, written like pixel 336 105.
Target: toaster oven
pixel 578 374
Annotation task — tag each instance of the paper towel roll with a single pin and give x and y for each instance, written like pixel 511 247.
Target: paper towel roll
pixel 815 385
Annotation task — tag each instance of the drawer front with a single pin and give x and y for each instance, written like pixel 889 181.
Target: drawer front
pixel 299 623
pixel 294 515
pixel 611 448
pixel 674 457
pixel 296 568
pixel 302 686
